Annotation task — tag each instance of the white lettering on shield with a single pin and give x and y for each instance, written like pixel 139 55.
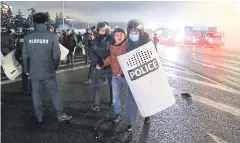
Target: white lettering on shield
pixel 143 70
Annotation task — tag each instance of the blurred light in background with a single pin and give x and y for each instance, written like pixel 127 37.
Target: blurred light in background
pixel 152 25
pixel 172 53
pixel 238 7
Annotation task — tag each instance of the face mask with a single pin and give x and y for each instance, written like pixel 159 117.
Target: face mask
pixel 134 37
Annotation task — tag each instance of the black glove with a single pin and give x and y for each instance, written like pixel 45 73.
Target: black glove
pixel 100 62
pixel 110 39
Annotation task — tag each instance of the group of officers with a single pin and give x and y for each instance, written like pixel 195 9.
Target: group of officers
pixel 40 58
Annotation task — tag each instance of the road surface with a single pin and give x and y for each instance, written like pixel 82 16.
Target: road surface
pixel 211 114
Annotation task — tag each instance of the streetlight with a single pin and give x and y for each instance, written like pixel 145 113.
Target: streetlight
pixel 88 15
pixel 63 13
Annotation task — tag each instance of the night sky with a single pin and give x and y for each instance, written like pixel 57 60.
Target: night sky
pixel 150 11
pixel 223 14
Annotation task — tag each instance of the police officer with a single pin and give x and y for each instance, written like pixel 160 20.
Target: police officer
pixel 136 38
pixel 26 83
pixel 85 43
pixel 100 47
pixel 58 34
pixel 70 42
pixel 7 42
pixel 41 57
pixel 89 54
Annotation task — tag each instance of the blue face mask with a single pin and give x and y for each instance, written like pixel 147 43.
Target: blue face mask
pixel 134 37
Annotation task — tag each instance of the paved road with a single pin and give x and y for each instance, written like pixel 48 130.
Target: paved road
pixel 211 115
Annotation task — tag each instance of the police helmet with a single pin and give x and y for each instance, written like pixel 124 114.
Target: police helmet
pixel 135 25
pixel 104 25
pixel 40 17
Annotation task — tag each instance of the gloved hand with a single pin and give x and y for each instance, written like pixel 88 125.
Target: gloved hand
pixel 110 39
pixel 100 62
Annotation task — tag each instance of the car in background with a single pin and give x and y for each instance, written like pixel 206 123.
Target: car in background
pixel 193 38
pixel 213 39
pixel 167 37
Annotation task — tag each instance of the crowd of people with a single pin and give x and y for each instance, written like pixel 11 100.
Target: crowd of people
pixel 39 54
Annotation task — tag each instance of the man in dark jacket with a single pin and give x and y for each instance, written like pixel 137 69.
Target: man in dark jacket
pixel 86 43
pixel 100 47
pixel 63 32
pixel 7 42
pixel 26 83
pixel 79 37
pixel 58 34
pixel 89 55
pixel 41 57
pixel 70 41
pixel 136 38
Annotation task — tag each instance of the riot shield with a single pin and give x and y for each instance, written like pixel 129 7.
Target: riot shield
pixel 147 80
pixel 11 67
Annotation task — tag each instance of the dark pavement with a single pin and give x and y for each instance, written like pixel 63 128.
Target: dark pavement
pixel 212 114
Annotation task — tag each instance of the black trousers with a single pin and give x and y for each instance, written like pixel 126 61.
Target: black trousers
pixel 70 55
pixel 53 89
pixel 26 83
pixel 99 79
pixel 91 71
pixel 92 64
pixel 87 54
